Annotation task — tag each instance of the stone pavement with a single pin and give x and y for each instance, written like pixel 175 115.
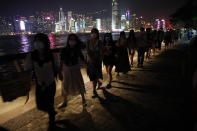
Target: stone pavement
pixel 152 98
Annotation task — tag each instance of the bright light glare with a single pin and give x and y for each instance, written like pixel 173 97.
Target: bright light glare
pixel 22 25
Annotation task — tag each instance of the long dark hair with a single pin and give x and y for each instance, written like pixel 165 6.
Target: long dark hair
pixel 78 42
pixel 122 34
pixel 95 30
pixel 132 36
pixel 65 53
pixel 108 35
pixel 43 38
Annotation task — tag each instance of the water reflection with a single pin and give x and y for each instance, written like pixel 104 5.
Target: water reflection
pixel 22 43
pixel 52 40
pixel 25 43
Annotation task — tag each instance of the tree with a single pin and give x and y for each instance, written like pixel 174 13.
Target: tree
pixel 186 15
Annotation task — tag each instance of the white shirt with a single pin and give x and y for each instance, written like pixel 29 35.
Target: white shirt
pixel 44 74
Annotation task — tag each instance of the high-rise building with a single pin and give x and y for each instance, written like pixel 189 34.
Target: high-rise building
pixel 98 24
pixel 123 22
pixel 115 15
pixel 61 25
pixel 6 25
pixel 70 21
pixel 61 15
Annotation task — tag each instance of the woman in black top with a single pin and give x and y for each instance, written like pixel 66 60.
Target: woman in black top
pixel 72 81
pixel 109 55
pixel 42 61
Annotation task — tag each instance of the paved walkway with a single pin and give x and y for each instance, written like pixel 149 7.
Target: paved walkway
pixel 151 98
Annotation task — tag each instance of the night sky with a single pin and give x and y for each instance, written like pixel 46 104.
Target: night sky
pixel 147 8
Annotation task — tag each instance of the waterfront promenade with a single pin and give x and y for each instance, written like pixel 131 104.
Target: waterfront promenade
pixel 153 98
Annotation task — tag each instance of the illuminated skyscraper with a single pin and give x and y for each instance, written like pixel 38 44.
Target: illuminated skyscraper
pixel 61 15
pixel 70 21
pixel 115 15
pixel 61 25
pixel 98 24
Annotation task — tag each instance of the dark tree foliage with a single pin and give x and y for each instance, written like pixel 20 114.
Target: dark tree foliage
pixel 186 15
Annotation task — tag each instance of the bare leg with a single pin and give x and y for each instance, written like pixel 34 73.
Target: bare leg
pixel 110 74
pixel 94 88
pixel 131 59
pixel 94 85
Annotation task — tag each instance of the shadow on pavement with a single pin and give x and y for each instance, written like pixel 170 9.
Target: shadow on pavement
pixel 70 125
pixel 3 129
pixel 130 89
pixel 140 87
pixel 129 115
pixel 64 125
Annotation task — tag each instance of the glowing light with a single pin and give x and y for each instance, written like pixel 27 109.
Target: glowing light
pixel 76 27
pixel 48 18
pixel 22 25
pixel 128 15
pixel 164 23
pixel 98 22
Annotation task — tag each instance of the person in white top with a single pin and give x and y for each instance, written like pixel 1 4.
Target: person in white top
pixel 41 60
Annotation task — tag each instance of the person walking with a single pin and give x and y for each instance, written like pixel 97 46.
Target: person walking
pixel 142 45
pixel 45 66
pixel 94 48
pixel 109 59
pixel 160 38
pixel 154 43
pixel 70 73
pixel 167 39
pixel 132 44
pixel 122 57
pixel 149 43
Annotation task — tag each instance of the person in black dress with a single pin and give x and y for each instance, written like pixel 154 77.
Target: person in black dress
pixel 122 64
pixel 109 56
pixel 132 44
pixel 94 60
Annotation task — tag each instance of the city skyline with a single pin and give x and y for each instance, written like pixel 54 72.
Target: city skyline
pixel 143 7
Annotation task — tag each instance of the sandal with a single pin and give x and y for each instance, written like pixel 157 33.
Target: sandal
pixel 62 105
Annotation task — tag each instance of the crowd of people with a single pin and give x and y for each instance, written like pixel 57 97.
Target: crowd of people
pixel 119 54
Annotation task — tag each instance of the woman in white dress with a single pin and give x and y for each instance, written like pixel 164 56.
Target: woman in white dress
pixel 72 80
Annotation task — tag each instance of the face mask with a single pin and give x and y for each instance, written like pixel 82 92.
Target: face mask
pixel 94 36
pixel 72 43
pixel 38 45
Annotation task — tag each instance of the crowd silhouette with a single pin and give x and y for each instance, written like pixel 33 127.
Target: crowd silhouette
pixel 47 67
